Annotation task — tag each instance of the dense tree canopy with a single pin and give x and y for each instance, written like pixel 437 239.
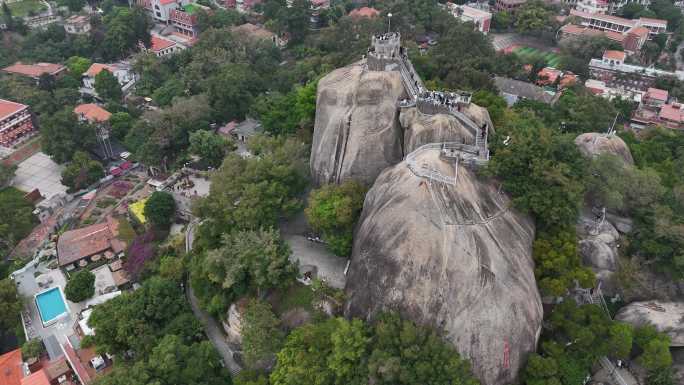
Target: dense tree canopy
pixel 391 351
pixel 255 191
pixel 137 320
pixel 107 86
pixel 18 219
pixel 81 286
pixel 246 260
pixel 160 209
pixel 82 171
pixel 63 135
pixel 333 211
pixel 210 147
pixel 540 168
pixel 261 336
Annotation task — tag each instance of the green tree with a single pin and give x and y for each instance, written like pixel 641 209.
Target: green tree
pixel 82 171
pixel 160 209
pixel 63 135
pixel 210 147
pixel 137 320
pixel 121 123
pixel 32 349
pixel 172 361
pixel 107 86
pixel 6 174
pixel 532 17
pixel 502 21
pixel 261 336
pixel 495 105
pixel 11 305
pixel 77 65
pixel 18 219
pixel 124 28
pixel 543 171
pixel 232 91
pixel 73 5
pixel 246 260
pixel 621 339
pixel 80 287
pixel 171 268
pixel 558 264
pixel 350 345
pixel 333 210
pixel 248 193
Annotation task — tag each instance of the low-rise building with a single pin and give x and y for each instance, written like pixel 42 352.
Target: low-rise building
pixel 84 245
pixel 362 12
pixel 16 122
pixel 122 72
pixel 11 368
pixel 243 6
pixel 655 97
pixel 481 19
pixel 77 25
pixel 612 70
pixel 509 6
pixel 34 71
pixel 92 113
pixel 161 47
pixel 620 25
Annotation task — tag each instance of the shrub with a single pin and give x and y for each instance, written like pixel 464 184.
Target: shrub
pixel 81 286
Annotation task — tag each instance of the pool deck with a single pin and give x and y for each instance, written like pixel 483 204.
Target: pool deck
pixel 27 286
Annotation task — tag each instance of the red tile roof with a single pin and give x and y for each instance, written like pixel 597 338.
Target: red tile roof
pixel 96 68
pixel 614 55
pixel 10 368
pixel 92 112
pixel 364 12
pixel 8 108
pixel 77 244
pixel 167 2
pixel 34 70
pixel 653 21
pixel 548 75
pixel 159 44
pixel 657 94
pixel 671 113
pixel 38 378
pixel 76 363
pixel 639 31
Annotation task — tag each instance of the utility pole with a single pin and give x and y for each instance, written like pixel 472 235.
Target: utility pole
pixel 389 22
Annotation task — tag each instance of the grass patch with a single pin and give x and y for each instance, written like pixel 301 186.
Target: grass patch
pixel 26 8
pixel 529 55
pixel 126 232
pixel 297 295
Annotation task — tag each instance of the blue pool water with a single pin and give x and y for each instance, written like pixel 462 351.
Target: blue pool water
pixel 50 304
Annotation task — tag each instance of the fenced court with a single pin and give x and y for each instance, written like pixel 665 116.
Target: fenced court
pixel 530 54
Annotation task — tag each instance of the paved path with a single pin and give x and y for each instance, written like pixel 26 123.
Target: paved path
pixel 211 327
pixel 330 267
pixel 214 333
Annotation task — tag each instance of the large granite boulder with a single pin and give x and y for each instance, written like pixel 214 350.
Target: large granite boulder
pixel 667 317
pixel 593 144
pixel 455 257
pixel 598 241
pixel 356 133
pixel 420 129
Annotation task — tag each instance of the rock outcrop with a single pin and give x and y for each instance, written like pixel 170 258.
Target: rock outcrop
pixel 420 129
pixel 357 133
pixel 667 317
pixel 593 144
pixel 455 257
pixel 598 245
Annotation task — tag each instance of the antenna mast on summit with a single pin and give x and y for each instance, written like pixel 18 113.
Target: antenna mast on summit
pixel 389 22
pixel 611 130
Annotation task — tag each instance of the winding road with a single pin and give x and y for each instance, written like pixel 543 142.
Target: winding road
pixel 211 327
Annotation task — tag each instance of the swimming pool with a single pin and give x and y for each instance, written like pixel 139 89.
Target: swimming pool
pixel 51 305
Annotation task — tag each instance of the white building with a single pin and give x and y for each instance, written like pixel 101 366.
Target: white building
pixel 482 19
pixel 77 25
pixel 122 72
